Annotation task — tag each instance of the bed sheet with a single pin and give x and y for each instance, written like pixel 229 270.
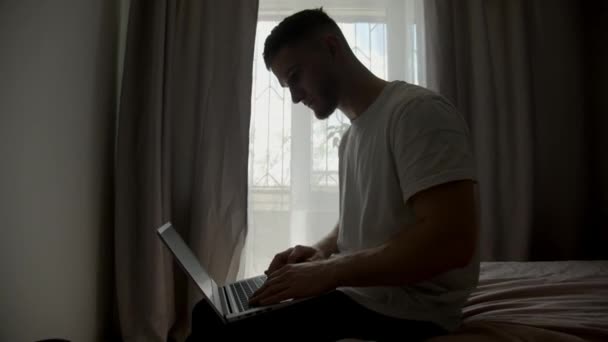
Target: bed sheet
pixel 537 301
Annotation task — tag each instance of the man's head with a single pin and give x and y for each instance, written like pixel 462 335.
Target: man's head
pixel 305 52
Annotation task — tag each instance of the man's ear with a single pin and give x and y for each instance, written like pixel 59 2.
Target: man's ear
pixel 332 44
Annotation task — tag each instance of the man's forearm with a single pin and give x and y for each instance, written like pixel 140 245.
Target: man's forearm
pixel 414 255
pixel 329 244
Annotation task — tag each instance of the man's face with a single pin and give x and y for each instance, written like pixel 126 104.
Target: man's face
pixel 307 70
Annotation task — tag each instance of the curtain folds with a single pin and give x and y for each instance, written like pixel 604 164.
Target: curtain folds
pixel 519 71
pixel 181 155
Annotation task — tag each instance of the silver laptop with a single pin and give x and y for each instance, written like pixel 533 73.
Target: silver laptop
pixel 229 301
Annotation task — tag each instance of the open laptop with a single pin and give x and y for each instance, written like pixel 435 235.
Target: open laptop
pixel 229 301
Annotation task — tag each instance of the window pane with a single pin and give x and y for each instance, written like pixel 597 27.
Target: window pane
pixel 270 145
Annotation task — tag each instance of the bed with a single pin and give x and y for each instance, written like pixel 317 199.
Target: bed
pixel 554 301
pixel 537 301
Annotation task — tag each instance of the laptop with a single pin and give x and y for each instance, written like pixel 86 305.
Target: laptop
pixel 229 301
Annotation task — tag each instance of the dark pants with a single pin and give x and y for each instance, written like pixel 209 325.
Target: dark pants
pixel 330 317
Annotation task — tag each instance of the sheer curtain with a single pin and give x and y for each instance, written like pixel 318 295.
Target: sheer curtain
pixel 293 157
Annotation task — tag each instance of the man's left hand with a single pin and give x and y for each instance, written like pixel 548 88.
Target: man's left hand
pixel 293 281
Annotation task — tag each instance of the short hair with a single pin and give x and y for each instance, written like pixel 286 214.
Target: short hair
pixel 297 28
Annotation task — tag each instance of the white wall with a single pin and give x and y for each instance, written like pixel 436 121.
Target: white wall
pixel 57 98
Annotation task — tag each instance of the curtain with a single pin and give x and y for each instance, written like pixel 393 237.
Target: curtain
pixel 519 71
pixel 293 157
pixel 595 40
pixel 181 155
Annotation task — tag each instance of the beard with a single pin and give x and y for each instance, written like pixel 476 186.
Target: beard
pixel 328 101
pixel 325 111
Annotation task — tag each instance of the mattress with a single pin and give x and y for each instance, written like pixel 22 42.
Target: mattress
pixel 537 301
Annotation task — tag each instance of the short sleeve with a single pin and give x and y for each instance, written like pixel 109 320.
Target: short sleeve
pixel 431 145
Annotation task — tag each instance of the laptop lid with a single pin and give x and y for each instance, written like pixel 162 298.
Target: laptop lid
pixel 190 264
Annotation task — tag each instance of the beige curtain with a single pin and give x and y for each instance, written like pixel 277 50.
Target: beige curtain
pixel 181 155
pixel 519 70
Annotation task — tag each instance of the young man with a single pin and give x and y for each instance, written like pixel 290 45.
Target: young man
pixel 403 258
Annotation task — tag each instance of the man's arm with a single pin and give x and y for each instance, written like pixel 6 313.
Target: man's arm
pixel 320 251
pixel 444 237
pixel 329 244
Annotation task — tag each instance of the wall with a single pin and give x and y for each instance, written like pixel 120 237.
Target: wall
pixel 57 101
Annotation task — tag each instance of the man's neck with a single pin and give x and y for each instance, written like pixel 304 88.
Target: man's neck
pixel 359 90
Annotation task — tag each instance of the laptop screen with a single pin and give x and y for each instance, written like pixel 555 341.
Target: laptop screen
pixel 186 258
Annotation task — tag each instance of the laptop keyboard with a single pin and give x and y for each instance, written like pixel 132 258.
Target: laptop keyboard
pixel 244 289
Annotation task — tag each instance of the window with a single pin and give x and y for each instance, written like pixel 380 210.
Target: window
pixel 293 157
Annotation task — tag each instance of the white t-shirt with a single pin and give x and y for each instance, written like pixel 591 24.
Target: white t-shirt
pixel 408 140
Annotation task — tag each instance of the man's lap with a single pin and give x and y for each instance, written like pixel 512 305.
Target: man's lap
pixel 329 317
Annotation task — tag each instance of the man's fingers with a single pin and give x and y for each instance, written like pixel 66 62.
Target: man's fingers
pixel 269 283
pixel 278 261
pixel 275 278
pixel 264 293
pixel 276 282
pixel 315 257
pixel 274 266
pixel 278 273
pixel 299 253
pixel 277 298
pixel 295 255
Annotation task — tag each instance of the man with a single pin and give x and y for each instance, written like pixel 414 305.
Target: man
pixel 402 259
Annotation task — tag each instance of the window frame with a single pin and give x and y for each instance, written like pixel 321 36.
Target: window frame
pixel 343 11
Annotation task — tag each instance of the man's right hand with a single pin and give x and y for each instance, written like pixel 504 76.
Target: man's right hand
pixel 294 255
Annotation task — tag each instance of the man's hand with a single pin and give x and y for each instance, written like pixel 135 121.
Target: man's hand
pixel 294 255
pixel 293 281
